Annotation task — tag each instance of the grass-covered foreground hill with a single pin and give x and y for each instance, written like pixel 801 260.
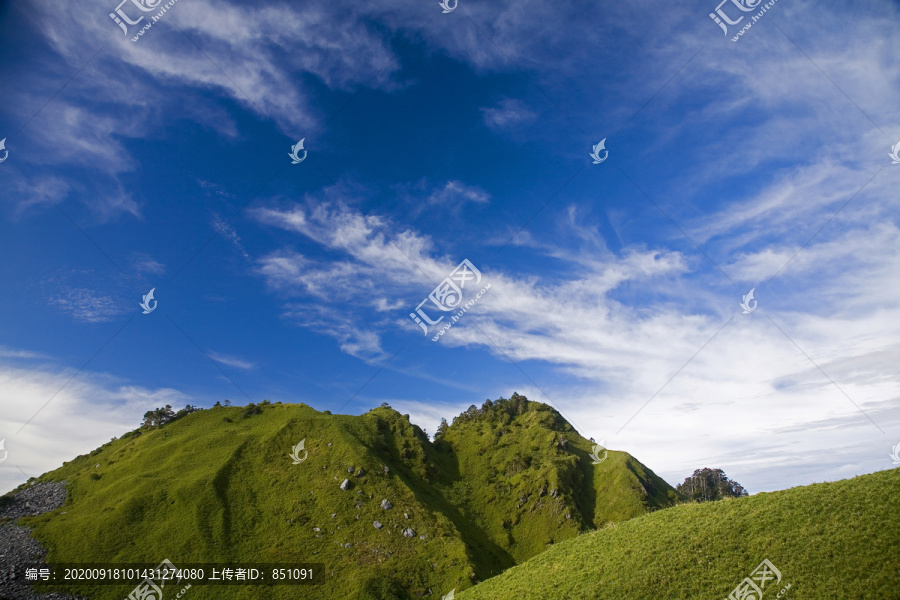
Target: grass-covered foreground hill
pixel 828 541
pixel 499 486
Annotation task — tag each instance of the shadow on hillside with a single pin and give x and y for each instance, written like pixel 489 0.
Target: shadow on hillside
pixel 488 558
pixel 586 498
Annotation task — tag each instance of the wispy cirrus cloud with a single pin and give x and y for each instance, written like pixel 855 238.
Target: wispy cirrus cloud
pixel 15 353
pixel 381 266
pixel 231 361
pixel 251 53
pixel 143 264
pixel 456 192
pixel 88 305
pixel 507 114
pixel 229 233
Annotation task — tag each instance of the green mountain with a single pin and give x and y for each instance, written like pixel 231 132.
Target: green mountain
pixel 497 487
pixel 828 540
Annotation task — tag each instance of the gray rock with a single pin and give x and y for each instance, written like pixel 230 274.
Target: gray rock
pixel 350 470
pixel 18 547
pixel 347 545
pixel 406 515
pixel 386 504
pixel 35 500
pixel 316 529
pixel 408 532
pixel 361 472
pixel 377 525
pixel 423 536
pixel 330 444
pixel 345 485
pixel 333 515
pixel 385 468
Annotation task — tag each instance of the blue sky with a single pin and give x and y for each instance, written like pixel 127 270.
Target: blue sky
pixel 433 137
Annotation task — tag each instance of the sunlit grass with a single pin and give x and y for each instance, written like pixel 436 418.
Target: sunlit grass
pixel 829 540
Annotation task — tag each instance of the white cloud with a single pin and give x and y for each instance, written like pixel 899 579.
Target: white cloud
pixel 371 241
pixel 228 233
pixel 231 361
pixel 27 195
pixel 89 306
pixel 15 353
pixel 509 113
pixel 253 54
pixel 144 264
pixel 456 193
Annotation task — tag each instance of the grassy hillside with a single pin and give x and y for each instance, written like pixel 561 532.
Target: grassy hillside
pixel 829 540
pixel 532 481
pixel 218 485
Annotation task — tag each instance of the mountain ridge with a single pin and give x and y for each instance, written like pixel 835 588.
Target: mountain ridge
pixel 492 490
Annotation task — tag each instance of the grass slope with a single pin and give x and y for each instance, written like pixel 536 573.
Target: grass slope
pixel 829 540
pixel 532 480
pixel 218 485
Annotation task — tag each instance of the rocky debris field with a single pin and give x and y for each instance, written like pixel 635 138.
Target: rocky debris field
pixel 18 548
pixel 35 500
